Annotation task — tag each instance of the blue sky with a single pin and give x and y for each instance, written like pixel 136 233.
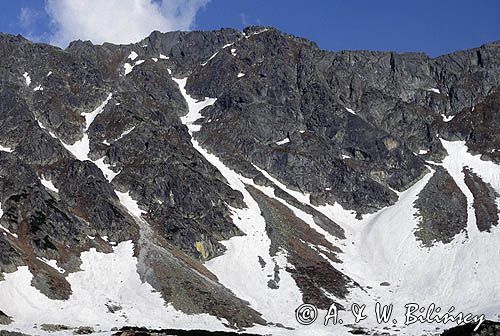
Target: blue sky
pixel 435 27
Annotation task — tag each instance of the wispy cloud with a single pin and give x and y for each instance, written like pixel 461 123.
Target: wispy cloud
pixel 28 18
pixel 118 21
pixel 248 21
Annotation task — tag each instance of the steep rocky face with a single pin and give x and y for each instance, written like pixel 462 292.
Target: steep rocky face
pixel 98 148
pixel 442 209
pixel 485 207
pixel 476 125
pixel 343 127
pixel 48 94
pixel 284 118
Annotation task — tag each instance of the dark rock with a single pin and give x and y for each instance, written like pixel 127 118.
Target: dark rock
pixel 133 331
pixel 478 126
pixel 484 203
pixel 11 333
pixel 54 327
pixel 488 328
pixel 441 209
pixel 4 319
pixel 83 331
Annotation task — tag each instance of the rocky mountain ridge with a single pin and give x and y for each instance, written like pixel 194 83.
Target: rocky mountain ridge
pixel 201 146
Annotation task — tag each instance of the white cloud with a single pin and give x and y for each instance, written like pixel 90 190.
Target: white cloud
pixel 118 21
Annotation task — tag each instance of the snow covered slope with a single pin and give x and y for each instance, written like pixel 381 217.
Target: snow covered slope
pixel 107 293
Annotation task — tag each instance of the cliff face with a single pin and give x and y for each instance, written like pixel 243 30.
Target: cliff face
pixel 265 165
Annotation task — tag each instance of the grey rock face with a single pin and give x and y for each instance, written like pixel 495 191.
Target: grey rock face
pixel 4 319
pixel 485 207
pixel 442 209
pixel 292 90
pixel 9 258
pixel 478 126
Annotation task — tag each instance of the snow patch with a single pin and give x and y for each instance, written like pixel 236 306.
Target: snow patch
pixel 6 149
pixel 256 33
pixel 447 118
pixel 194 106
pixel 240 74
pixel 233 51
pixel 208 60
pixel 284 141
pixel 129 67
pixel 7 231
pixel 129 203
pixel 120 136
pixel 53 264
pixel 106 170
pixel 90 117
pixel 81 148
pixel 350 110
pixel 133 55
pixel 27 79
pixel 458 158
pixel 49 185
pixel 304 198
pixel 125 133
pixel 164 57
pixel 38 88
pixel 434 90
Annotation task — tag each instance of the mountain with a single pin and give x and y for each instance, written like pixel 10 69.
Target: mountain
pixel 218 180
